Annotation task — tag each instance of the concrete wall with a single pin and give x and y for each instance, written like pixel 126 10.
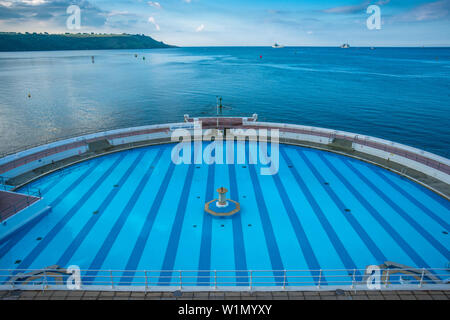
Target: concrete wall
pixel 44 161
pixel 139 138
pixel 403 161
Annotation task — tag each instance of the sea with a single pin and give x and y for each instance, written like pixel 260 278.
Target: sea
pixel 399 94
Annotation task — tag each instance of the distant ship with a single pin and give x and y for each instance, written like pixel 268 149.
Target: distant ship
pixel 277 46
pixel 345 46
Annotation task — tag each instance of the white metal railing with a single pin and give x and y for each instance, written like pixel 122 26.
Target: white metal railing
pixel 434 162
pixel 147 280
pixel 61 138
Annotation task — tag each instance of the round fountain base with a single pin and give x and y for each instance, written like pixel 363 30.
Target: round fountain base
pixel 214 208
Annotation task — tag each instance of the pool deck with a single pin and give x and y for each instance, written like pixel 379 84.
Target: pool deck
pixel 11 203
pixel 420 177
pixel 292 295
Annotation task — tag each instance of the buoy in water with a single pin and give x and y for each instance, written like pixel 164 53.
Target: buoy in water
pixel 260 57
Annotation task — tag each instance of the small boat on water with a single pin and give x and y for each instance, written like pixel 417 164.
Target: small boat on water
pixel 277 46
pixel 345 46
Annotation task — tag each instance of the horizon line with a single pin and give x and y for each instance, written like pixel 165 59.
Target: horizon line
pixel 226 45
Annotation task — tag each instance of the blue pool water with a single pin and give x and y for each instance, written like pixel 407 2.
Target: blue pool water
pixel 136 210
pixel 399 94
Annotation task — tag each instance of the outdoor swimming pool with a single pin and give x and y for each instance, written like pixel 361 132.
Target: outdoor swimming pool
pixel 136 210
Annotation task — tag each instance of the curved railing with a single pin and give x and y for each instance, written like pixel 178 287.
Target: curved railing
pixel 362 143
pixel 422 161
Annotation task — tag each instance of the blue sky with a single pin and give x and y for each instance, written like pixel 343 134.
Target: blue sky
pixel 242 23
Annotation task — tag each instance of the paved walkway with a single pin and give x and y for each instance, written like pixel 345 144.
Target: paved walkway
pixel 324 295
pixel 11 203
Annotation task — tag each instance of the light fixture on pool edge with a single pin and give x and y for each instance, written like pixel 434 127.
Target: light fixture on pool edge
pixel 222 207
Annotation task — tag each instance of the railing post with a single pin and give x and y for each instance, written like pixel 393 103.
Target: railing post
pixel 146 281
pixel 45 281
pixel 386 284
pixel 284 280
pixel 181 279
pixel 11 277
pixel 112 279
pixel 251 280
pixel 421 278
pixel 353 278
pixel 215 279
pixel 320 278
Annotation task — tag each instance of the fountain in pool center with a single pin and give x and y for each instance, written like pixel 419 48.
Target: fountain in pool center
pixel 222 207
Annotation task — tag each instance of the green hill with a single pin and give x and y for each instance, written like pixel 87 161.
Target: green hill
pixel 71 41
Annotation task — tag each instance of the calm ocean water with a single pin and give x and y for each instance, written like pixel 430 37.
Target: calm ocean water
pixel 400 94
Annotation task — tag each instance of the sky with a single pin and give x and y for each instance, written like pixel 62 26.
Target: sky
pixel 242 22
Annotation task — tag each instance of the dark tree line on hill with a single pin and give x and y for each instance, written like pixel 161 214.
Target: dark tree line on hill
pixel 71 41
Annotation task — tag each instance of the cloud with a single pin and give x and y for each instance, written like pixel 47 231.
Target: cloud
pixel 200 28
pixel 33 2
pixel 117 13
pixel 153 21
pixel 275 11
pixel 154 4
pixel 7 14
pixel 122 20
pixel 348 9
pixel 426 12
pixel 358 8
pixel 50 12
pixel 6 4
